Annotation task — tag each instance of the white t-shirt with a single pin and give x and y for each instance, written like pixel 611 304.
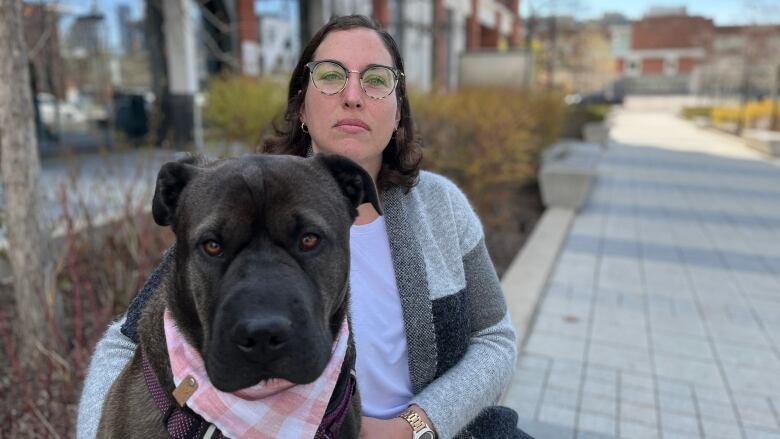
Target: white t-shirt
pixel 382 365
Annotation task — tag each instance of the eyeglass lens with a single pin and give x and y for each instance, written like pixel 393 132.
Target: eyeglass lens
pixel 331 78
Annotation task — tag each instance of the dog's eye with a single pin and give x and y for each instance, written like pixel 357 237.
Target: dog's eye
pixel 308 242
pixel 212 248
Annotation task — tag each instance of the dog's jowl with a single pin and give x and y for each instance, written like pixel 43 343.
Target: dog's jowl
pixel 246 334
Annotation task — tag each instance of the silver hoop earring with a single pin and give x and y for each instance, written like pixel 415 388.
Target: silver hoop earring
pixel 304 129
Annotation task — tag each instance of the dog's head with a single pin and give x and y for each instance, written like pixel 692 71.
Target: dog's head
pixel 262 260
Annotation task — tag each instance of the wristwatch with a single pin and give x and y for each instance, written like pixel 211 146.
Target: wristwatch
pixel 420 429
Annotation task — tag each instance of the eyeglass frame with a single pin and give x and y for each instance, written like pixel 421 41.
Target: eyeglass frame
pixel 397 75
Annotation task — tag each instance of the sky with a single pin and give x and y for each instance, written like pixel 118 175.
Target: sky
pixel 723 12
pixel 109 9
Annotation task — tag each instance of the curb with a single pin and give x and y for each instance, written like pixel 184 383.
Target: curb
pixel 527 276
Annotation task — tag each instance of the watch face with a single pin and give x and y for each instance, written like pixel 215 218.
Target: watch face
pixel 427 435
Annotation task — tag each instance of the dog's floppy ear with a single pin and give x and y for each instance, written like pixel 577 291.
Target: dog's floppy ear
pixel 354 181
pixel 171 179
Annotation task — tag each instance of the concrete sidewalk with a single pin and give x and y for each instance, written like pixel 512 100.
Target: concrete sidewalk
pixel 661 318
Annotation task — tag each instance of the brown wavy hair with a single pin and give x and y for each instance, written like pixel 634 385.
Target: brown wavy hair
pixel 403 154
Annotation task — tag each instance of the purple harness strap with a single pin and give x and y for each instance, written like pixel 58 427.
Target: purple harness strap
pixel 331 422
pixel 185 424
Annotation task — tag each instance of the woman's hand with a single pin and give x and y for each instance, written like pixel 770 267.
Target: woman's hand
pixel 395 428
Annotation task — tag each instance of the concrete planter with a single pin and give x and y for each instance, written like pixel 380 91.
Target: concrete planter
pixel 596 132
pixel 765 141
pixel 567 173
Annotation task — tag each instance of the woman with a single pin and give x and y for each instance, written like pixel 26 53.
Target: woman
pixel 432 331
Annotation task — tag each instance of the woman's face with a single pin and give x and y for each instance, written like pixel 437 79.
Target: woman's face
pixel 350 123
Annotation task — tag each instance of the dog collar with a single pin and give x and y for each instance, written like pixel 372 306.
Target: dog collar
pixel 182 423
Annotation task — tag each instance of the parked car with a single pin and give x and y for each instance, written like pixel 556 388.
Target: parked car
pixel 599 97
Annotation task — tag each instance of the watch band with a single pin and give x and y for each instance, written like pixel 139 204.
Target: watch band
pixel 420 429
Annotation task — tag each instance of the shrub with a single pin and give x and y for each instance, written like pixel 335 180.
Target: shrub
pixel 241 109
pixel 484 138
pixel 489 142
pixel 753 114
pixel 694 112
pixel 98 267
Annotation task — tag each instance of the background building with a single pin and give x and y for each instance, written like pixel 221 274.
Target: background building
pixel 433 36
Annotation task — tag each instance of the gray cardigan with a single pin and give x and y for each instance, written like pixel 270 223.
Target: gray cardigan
pixel 461 342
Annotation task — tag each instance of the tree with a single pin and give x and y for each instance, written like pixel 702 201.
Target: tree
pixel 20 172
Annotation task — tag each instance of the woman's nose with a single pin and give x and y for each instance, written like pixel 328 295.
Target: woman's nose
pixel 353 94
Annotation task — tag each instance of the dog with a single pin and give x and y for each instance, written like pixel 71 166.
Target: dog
pixel 257 285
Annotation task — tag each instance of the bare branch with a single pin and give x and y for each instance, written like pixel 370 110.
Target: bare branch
pixel 215 21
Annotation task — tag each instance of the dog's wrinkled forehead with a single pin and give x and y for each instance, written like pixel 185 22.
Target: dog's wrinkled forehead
pixel 259 189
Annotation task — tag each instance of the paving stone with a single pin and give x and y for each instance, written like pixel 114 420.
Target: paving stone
pixel 621 335
pixel 677 404
pixel 685 346
pixel 590 435
pixel 565 380
pixel 751 380
pixel 601 373
pixel 601 388
pixel 637 380
pixel 671 324
pixel 747 356
pixel 710 393
pixel 715 410
pixel 638 412
pixel 626 359
pixel 671 387
pixel 567 366
pixel 556 346
pixel 672 434
pixel 599 404
pixel 689 370
pixel 532 362
pixel 719 430
pixel 529 377
pixel 756 411
pixel 680 423
pixel 596 423
pixel 569 325
pixel 637 430
pixel 638 395
pixel 560 397
pixel 523 409
pixel 539 430
pixel 751 433
pixel 556 415
pixel 523 391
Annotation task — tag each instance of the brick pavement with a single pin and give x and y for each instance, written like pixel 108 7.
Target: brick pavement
pixel 662 316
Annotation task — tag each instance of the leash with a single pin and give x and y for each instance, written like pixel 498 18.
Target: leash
pixel 182 423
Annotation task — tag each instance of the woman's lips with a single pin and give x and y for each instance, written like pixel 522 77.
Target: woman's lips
pixel 352 126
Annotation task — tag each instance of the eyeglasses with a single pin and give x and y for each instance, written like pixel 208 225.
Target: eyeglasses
pixel 330 77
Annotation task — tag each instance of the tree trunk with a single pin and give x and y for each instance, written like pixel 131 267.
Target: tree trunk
pixel 20 172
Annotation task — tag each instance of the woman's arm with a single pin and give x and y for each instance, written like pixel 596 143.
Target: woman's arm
pixel 113 352
pixel 111 355
pixel 477 380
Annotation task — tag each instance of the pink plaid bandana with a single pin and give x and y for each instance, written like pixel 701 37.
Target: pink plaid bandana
pixel 275 409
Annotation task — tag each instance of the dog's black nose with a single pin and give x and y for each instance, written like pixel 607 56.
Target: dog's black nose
pixel 262 337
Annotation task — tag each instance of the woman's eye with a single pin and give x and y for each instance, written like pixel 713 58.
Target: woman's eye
pixel 212 248
pixel 375 80
pixel 331 76
pixel 308 242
